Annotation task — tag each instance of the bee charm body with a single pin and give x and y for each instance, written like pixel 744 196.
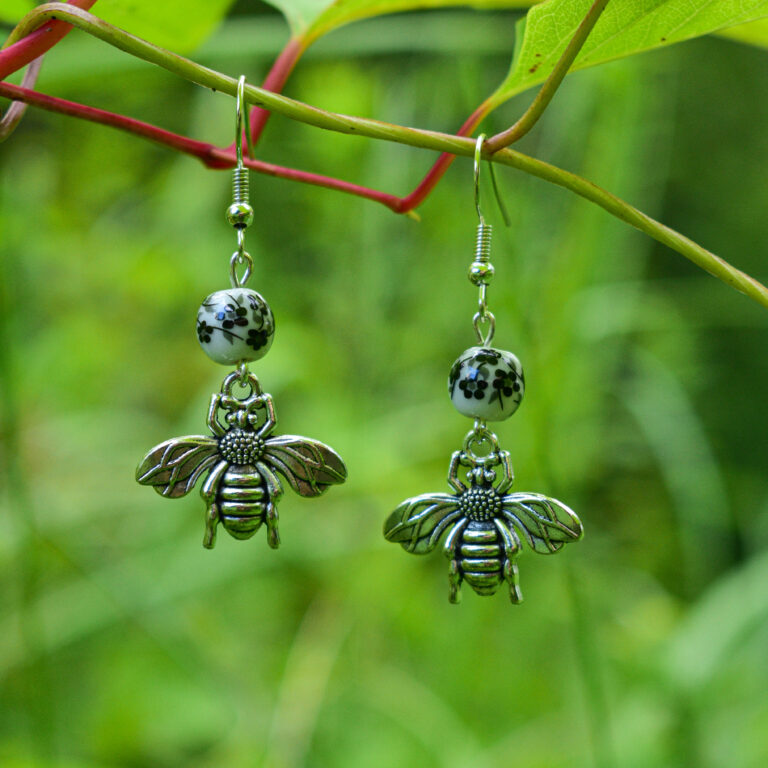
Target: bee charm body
pixel 242 460
pixel 482 525
pixel 242 499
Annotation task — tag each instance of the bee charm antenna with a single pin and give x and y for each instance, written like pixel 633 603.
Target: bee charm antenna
pixel 242 464
pixel 481 524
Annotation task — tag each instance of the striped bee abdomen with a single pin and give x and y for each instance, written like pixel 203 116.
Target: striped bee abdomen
pixel 481 556
pixel 242 500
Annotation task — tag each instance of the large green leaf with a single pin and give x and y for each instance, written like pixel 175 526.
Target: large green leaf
pixel 12 10
pixel 626 27
pixel 180 25
pixel 754 33
pixel 310 19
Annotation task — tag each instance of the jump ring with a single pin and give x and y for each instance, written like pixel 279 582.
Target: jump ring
pixel 240 257
pixel 484 317
pixel 478 436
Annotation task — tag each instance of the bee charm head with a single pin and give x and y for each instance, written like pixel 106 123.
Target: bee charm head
pixel 242 461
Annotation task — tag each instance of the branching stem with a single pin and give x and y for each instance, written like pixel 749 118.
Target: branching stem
pixel 35 43
pixel 274 81
pixel 211 155
pixel 441 142
pixel 551 84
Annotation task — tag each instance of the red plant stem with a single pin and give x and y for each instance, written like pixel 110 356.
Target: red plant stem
pixel 275 80
pixel 429 182
pixel 198 149
pixel 35 44
pixel 209 154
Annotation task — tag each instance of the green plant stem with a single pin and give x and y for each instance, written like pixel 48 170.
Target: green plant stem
pixel 531 116
pixel 275 81
pixel 39 710
pixel 375 129
pixel 589 660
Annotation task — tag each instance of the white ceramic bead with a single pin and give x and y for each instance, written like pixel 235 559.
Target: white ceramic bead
pixel 235 326
pixel 486 383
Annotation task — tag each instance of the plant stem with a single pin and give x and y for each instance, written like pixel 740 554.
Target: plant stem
pixel 375 129
pixel 37 683
pixel 589 660
pixel 209 154
pixel 35 44
pixel 551 84
pixel 430 181
pixel 199 149
pixel 275 81
pixel 15 112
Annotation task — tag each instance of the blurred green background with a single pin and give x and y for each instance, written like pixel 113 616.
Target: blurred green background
pixel 123 643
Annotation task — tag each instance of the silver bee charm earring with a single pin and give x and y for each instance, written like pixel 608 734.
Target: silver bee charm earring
pixel 242 459
pixel 481 524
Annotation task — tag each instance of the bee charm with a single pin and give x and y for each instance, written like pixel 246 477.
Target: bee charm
pixel 483 525
pixel 242 488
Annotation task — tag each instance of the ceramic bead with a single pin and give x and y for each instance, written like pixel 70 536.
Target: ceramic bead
pixel 486 383
pixel 235 326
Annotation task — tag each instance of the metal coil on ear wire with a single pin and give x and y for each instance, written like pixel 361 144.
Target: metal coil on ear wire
pixel 483 247
pixel 481 270
pixel 240 213
pixel 240 187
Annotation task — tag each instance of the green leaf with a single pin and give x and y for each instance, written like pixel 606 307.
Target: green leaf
pixel 625 28
pixel 754 33
pixel 11 11
pixel 311 19
pixel 737 605
pixel 180 25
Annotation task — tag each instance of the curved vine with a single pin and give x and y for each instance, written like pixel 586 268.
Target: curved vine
pixel 264 99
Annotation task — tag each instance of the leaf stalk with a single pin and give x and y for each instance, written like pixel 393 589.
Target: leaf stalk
pixel 547 91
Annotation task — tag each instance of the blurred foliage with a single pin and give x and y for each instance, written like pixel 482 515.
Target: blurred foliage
pixel 124 643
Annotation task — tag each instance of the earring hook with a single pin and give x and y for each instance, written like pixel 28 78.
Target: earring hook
pixel 242 121
pixel 240 213
pixel 478 158
pixel 499 201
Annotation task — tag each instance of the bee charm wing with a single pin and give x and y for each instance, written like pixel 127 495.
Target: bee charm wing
pixel 173 467
pixel 546 524
pixel 309 466
pixel 418 523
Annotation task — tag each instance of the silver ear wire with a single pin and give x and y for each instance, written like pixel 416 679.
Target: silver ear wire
pixel 478 158
pixel 481 270
pixel 240 213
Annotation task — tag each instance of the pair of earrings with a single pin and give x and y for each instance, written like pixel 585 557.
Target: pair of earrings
pixel 481 524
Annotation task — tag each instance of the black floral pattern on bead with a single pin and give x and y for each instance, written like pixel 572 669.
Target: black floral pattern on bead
pixel 204 332
pixel 474 384
pixel 257 339
pixel 453 376
pixel 233 314
pixel 488 356
pixel 505 384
